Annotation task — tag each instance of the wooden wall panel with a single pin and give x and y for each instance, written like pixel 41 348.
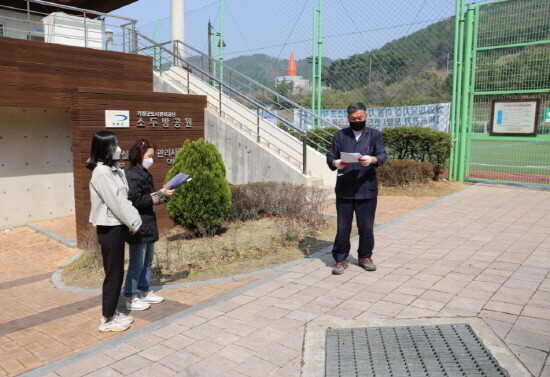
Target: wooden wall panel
pixel 89 82
pixel 88 107
pixel 44 74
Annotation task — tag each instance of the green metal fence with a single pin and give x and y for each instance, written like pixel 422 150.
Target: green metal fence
pixel 502 54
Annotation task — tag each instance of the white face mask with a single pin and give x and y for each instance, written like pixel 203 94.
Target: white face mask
pixel 147 162
pixel 116 155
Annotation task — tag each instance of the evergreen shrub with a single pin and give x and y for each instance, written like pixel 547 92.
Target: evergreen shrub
pixel 404 172
pixel 203 203
pixel 418 144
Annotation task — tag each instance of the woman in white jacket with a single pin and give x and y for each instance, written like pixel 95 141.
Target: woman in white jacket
pixel 113 216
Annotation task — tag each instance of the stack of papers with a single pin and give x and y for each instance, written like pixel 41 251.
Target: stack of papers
pixel 176 181
pixel 350 157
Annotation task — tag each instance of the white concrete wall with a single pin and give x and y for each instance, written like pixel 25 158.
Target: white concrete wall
pixel 16 24
pixel 239 116
pixel 246 161
pixel 36 167
pixel 72 30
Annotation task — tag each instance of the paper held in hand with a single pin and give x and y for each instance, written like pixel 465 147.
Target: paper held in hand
pixel 178 180
pixel 350 157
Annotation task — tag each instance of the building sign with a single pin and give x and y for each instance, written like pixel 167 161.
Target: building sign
pixel 162 154
pixel 117 119
pixel 162 119
pixel 514 117
pixel 434 116
pixel 149 120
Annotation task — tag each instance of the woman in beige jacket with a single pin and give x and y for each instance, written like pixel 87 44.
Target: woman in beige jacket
pixel 113 216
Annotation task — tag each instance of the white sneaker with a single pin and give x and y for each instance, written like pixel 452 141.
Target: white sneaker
pixel 121 317
pixel 152 298
pixel 137 304
pixel 112 325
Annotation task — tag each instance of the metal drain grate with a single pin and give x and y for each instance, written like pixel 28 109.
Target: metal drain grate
pixel 403 351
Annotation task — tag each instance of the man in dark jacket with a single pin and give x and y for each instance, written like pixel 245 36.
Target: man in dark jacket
pixel 356 186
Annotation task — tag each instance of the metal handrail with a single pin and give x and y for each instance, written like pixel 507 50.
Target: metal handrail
pixel 228 88
pixel 303 111
pixel 233 71
pixel 218 81
pixel 68 7
pixel 128 29
pixel 255 83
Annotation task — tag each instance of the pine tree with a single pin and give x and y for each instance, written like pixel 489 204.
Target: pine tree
pixel 203 203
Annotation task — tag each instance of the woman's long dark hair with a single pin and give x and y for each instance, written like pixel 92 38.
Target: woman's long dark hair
pixel 137 151
pixel 103 148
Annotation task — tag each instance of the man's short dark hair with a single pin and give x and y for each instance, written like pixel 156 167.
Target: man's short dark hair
pixel 356 107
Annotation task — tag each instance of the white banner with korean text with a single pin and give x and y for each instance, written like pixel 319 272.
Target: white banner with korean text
pixel 434 116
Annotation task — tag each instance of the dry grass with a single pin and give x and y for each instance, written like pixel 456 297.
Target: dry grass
pixel 240 248
pixel 431 189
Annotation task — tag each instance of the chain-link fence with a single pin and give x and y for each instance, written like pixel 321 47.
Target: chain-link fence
pixel 391 53
pixel 385 54
pixel 510 66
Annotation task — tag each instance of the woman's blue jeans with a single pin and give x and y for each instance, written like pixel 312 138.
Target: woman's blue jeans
pixel 138 276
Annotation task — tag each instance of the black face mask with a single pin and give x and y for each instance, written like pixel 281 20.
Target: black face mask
pixel 357 126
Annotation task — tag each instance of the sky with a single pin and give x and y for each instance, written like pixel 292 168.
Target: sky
pixel 277 27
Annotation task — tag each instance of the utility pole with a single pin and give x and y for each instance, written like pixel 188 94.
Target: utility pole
pixel 221 42
pixel 210 34
pixel 219 46
pixel 317 60
pixel 370 68
pixel 157 48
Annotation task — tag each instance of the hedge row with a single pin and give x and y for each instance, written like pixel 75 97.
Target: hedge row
pixel 402 143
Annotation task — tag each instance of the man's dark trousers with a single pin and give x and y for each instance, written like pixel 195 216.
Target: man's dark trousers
pixel 365 210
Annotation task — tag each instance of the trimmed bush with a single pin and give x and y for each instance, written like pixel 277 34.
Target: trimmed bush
pixel 404 172
pixel 281 199
pixel 419 144
pixel 202 204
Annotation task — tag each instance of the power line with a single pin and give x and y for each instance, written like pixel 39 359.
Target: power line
pixel 237 25
pixel 204 6
pixel 268 47
pixel 288 37
pixel 405 84
pixel 374 55
pixel 336 36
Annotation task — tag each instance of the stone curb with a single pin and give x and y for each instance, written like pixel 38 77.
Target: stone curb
pixel 273 274
pixel 52 234
pixel 58 283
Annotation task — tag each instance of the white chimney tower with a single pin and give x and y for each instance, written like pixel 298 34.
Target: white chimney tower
pixel 177 8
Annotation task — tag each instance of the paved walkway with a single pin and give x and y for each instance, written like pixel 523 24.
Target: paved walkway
pixel 392 207
pixel 484 252
pixel 39 323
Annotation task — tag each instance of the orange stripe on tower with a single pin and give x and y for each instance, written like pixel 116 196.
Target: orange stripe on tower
pixel 292 65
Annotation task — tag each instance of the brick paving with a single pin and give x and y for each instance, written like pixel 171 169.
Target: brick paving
pixel 64 226
pixel 39 323
pixel 483 253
